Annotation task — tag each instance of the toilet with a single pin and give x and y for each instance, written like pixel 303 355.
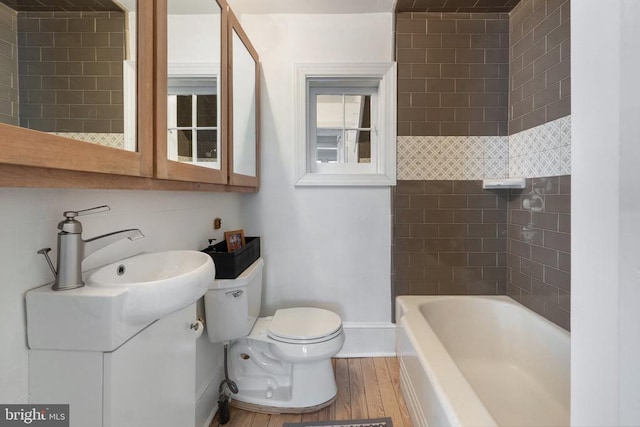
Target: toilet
pixel 280 363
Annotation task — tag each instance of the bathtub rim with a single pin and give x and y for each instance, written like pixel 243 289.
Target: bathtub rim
pixel 411 302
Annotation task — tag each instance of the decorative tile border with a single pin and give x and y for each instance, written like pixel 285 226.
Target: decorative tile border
pixel 452 157
pixel 114 140
pixel 544 150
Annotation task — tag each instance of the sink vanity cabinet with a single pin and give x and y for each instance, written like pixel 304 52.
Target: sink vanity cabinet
pixel 150 379
pixel 147 381
pixel 155 109
pixel 121 350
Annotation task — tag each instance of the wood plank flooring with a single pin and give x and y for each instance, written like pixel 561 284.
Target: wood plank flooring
pixel 367 388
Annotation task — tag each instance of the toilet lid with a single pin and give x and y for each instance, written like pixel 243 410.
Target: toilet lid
pixel 303 323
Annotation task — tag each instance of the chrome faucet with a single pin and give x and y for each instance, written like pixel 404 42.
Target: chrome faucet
pixel 72 249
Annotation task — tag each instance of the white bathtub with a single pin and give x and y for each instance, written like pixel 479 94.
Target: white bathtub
pixel 481 361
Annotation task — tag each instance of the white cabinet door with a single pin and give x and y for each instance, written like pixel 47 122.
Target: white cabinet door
pixel 68 377
pixel 150 380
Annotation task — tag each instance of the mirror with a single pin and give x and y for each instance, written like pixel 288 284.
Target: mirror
pixel 194 82
pixel 244 98
pixel 69 69
pixel 244 109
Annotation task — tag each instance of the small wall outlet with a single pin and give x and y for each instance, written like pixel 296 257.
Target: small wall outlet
pixel 217 224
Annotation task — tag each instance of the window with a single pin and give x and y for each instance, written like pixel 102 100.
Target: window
pixel 340 125
pixel 345 125
pixel 192 118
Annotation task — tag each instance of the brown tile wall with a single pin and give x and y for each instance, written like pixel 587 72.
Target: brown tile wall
pixel 453 238
pixel 540 85
pixel 63 5
pixel 483 6
pixel 71 71
pixel 453 73
pixel 539 247
pixel 8 66
pixel 450 237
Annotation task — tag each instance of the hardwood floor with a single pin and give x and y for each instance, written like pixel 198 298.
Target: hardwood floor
pixel 367 388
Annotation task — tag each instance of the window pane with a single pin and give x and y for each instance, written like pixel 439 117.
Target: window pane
pixel 364 147
pixel 330 111
pixel 207 146
pixel 207 111
pixel 357 147
pixel 184 107
pixel 185 150
pixel 329 145
pixel 357 111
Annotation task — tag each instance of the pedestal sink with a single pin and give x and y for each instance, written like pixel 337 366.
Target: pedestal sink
pixel 118 300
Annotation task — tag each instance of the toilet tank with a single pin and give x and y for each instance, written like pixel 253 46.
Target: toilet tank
pixel 233 305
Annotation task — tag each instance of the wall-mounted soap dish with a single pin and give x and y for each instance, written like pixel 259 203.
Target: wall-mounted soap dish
pixel 503 183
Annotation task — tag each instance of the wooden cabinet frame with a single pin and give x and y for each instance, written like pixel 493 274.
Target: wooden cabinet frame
pixel 31 158
pixel 168 169
pixel 236 178
pixel 25 147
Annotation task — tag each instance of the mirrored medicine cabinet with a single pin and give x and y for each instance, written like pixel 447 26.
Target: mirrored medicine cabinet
pixel 126 94
pixel 244 95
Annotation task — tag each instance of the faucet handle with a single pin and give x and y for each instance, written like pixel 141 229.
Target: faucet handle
pixel 70 225
pixel 72 214
pixel 45 252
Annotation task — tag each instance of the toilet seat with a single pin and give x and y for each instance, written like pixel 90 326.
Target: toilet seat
pixel 304 325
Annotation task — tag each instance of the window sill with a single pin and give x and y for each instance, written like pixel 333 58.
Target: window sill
pixel 355 180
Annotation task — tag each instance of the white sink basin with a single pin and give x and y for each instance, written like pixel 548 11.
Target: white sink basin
pixel 157 283
pixel 118 300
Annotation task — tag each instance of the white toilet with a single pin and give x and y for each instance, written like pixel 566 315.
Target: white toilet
pixel 280 363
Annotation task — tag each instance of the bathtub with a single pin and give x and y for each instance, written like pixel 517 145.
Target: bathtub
pixel 481 361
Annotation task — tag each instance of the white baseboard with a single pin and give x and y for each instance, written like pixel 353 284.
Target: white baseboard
pixel 369 339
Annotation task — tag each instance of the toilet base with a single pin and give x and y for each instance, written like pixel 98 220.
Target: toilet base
pixel 272 410
pixel 275 386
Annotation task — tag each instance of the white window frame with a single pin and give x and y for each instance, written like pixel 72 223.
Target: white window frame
pixel 382 170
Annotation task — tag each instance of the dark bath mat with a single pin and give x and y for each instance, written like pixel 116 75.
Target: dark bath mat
pixel 377 422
